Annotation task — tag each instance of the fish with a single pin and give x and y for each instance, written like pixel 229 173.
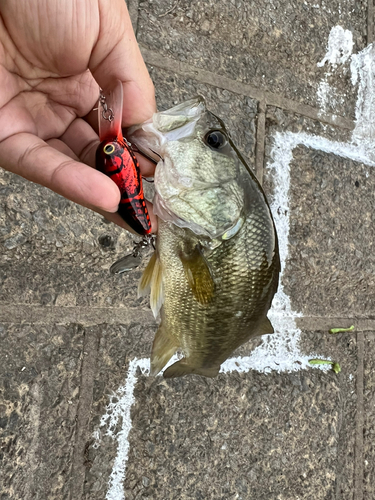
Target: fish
pixel 216 264
pixel 116 159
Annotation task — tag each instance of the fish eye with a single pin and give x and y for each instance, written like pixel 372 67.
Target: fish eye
pixel 215 139
pixel 109 148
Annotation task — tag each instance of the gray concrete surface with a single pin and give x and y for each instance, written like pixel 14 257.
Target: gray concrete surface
pixel 79 416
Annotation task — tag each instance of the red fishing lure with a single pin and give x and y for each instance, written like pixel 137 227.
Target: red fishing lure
pixel 115 158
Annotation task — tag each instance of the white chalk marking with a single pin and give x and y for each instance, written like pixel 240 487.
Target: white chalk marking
pixel 280 351
pixel 339 50
pixel 363 73
pixel 115 411
pixel 340 47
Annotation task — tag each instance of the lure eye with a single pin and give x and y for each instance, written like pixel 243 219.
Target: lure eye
pixel 109 148
pixel 215 139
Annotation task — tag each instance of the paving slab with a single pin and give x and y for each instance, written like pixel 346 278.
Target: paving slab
pixel 343 349
pixel 54 252
pixel 40 386
pixel 275 46
pixel 329 212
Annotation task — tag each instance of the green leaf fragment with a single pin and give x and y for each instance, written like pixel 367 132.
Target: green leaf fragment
pixel 320 362
pixel 335 366
pixel 341 330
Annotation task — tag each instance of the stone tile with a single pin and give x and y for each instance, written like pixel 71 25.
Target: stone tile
pixel 369 416
pixel 54 252
pixel 274 46
pixel 239 436
pixel 340 348
pixel 332 235
pixel 118 344
pixel 39 379
pixel 329 270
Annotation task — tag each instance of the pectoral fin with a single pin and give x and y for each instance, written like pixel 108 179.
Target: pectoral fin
pixel 152 279
pixel 163 348
pixel 199 276
pixel 182 367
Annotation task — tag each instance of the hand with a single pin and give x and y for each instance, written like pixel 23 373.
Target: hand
pixel 54 55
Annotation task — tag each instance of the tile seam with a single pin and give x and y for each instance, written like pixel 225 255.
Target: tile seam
pixel 314 323
pixel 88 315
pixel 370 21
pixel 359 445
pixel 82 432
pixel 260 141
pixel 133 8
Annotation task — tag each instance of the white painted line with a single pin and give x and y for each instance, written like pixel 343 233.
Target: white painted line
pixel 280 351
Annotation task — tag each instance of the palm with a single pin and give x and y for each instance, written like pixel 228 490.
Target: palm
pixel 53 57
pixel 49 106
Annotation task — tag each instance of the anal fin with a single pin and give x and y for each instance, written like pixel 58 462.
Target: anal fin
pixel 182 367
pixel 265 327
pixel 163 348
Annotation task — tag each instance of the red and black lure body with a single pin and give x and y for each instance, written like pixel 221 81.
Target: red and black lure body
pixel 115 158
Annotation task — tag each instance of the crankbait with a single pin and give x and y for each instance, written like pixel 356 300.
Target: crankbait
pixel 116 159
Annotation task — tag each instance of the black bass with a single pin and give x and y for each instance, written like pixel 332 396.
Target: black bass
pixel 216 265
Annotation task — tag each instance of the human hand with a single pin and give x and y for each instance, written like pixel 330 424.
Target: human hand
pixel 54 55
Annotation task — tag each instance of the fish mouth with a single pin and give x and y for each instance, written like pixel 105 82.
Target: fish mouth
pixel 150 137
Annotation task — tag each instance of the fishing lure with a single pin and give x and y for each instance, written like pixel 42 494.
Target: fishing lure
pixel 116 159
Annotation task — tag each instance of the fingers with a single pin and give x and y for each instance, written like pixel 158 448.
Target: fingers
pixel 117 55
pixel 53 165
pixel 82 140
pixel 32 158
pixel 62 147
